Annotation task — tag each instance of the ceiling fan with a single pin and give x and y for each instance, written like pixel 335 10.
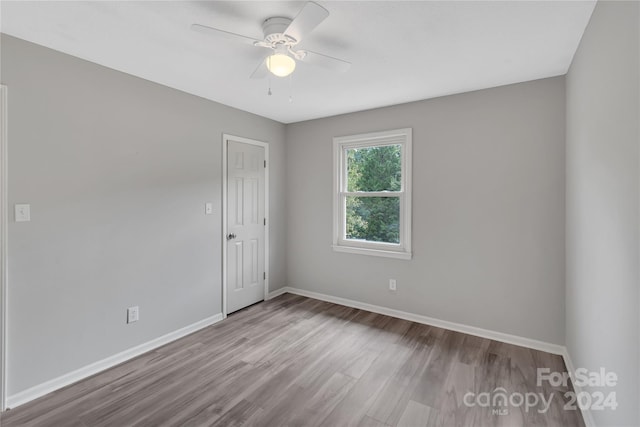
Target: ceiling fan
pixel 281 35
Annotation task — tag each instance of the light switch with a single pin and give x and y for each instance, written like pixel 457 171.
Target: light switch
pixel 133 314
pixel 23 213
pixel 208 208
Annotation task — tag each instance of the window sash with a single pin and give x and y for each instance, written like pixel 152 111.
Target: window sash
pixel 402 250
pixel 372 193
pixel 344 169
pixel 342 230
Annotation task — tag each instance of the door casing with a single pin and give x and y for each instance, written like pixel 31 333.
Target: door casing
pixel 265 145
pixel 3 247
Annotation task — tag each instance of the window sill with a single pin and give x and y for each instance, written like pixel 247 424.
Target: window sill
pixel 372 252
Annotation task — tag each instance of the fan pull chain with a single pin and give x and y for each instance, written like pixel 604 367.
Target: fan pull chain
pixel 290 88
pixel 269 66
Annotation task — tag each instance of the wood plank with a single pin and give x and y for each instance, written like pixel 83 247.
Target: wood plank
pixel 370 422
pixel 452 410
pixel 415 415
pixel 393 399
pixel 433 378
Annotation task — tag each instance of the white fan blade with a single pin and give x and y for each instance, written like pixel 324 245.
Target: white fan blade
pixel 224 34
pixel 307 19
pixel 325 61
pixel 261 70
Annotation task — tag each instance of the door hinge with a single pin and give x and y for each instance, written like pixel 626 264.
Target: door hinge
pixel 265 221
pixel 265 163
pixel 264 275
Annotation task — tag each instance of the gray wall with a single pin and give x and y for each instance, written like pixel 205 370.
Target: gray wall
pixel 488 210
pixel 602 204
pixel 117 171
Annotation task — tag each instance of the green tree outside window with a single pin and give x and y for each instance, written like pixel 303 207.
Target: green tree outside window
pixel 374 169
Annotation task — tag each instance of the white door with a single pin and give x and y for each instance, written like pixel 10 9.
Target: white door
pixel 245 224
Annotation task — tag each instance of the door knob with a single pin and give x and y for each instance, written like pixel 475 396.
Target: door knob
pixel 231 236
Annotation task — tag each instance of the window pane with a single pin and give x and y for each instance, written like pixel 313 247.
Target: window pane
pixel 375 219
pixel 374 168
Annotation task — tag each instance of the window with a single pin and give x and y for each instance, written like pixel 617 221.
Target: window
pixel 372 194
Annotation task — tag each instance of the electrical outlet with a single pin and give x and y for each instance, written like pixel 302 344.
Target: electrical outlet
pixel 208 208
pixel 133 314
pixel 392 284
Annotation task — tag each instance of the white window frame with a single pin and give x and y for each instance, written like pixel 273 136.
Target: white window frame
pixel 341 144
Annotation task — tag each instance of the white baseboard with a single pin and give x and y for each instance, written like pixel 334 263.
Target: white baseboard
pixel 418 318
pixel 277 293
pixel 587 415
pixel 86 371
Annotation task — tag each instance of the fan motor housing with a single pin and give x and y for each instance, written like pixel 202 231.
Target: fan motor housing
pixel 274 29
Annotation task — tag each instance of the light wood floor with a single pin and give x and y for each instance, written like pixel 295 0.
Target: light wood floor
pixel 295 361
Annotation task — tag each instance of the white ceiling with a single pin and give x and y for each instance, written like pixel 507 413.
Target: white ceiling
pixel 401 51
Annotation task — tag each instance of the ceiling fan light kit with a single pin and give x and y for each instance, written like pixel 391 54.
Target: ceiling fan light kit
pixel 281 65
pixel 281 35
